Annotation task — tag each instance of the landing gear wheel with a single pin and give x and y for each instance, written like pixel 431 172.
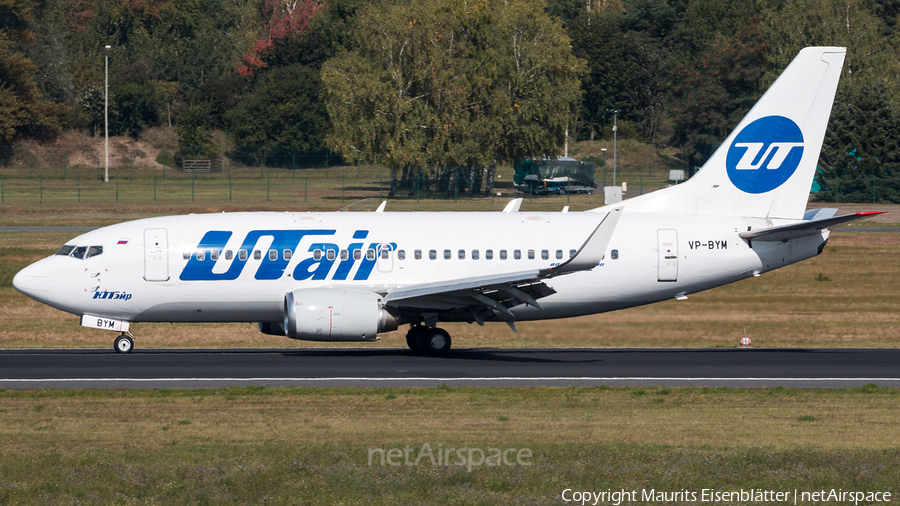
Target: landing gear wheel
pixel 562 192
pixel 123 344
pixel 437 342
pixel 415 338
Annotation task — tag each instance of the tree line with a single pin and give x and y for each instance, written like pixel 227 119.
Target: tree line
pixel 442 91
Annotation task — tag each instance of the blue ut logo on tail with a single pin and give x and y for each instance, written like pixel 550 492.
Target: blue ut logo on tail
pixel 764 154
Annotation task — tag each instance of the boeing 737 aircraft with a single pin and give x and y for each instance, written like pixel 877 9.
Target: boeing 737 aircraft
pixel 349 276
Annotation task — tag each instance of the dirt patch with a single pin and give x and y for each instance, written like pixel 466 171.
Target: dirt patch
pixel 78 149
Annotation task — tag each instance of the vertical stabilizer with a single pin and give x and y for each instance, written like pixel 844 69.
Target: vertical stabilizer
pixel 766 166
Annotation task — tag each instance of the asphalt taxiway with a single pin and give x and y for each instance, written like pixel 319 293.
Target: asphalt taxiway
pixel 381 367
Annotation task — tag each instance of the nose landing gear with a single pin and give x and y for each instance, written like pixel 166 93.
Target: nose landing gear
pixel 433 341
pixel 124 343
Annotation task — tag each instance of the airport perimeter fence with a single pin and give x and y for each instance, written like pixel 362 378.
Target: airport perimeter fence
pixel 61 175
pixel 335 187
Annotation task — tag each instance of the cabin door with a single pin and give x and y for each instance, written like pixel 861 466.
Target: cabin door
pixel 156 254
pixel 668 255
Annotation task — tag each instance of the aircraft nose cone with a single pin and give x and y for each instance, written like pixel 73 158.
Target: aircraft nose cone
pixel 34 280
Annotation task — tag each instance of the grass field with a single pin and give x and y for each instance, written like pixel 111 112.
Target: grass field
pixel 312 446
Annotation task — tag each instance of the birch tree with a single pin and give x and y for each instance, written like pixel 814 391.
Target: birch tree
pixel 432 88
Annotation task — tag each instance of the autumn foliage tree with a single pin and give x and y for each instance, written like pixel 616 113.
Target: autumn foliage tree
pixel 282 19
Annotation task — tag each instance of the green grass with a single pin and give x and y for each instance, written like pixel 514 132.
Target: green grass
pixel 311 445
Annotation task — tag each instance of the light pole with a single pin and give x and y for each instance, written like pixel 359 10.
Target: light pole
pixel 604 166
pixel 615 133
pixel 106 115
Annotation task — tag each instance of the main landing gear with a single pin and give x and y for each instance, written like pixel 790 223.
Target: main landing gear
pixel 433 341
pixel 124 343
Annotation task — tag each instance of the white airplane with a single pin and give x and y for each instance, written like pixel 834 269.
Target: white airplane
pixel 349 276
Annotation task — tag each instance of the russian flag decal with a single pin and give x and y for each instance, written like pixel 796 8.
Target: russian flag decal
pixel 122 241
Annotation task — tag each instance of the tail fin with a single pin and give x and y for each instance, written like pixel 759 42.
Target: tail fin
pixel 766 165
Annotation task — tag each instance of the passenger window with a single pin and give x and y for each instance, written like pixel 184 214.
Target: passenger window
pixel 344 254
pixel 317 254
pixel 572 253
pixel 257 254
pixel 201 255
pixel 242 255
pixel 370 254
pixel 432 254
pixel 475 254
pixel 488 254
pixel 461 254
pixel 503 254
pixel 186 255
pixel 330 255
pixel 65 250
pixel 446 254
pixel 401 255
pixel 273 254
pixel 229 254
pixel 614 254
pixel 531 254
pixel 214 255
pixel 94 251
pixel 79 252
pixel 357 254
pixel 287 254
pixel 517 254
pixel 559 254
pixel 545 255
pixel 418 254
pixel 385 253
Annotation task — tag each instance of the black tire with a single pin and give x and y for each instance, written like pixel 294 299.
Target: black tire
pixel 562 192
pixel 437 342
pixel 123 344
pixel 415 338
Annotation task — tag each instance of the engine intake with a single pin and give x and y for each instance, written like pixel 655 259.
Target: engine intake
pixel 333 314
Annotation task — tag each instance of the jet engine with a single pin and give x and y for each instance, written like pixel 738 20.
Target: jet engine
pixel 333 314
pixel 272 328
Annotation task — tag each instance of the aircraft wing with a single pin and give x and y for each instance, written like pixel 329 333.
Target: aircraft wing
pixel 492 296
pixel 804 228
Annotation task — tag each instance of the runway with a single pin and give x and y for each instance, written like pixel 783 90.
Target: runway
pixel 392 367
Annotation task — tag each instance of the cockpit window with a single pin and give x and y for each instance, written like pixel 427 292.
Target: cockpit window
pixel 80 252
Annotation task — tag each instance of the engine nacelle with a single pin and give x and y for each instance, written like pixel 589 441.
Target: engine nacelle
pixel 333 314
pixel 271 328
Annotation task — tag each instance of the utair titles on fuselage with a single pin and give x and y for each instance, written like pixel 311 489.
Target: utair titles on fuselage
pixel 317 266
pixel 350 276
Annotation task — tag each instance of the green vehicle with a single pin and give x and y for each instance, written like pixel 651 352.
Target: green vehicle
pixel 554 177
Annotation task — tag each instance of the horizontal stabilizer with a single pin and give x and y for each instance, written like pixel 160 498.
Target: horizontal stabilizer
pixel 804 228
